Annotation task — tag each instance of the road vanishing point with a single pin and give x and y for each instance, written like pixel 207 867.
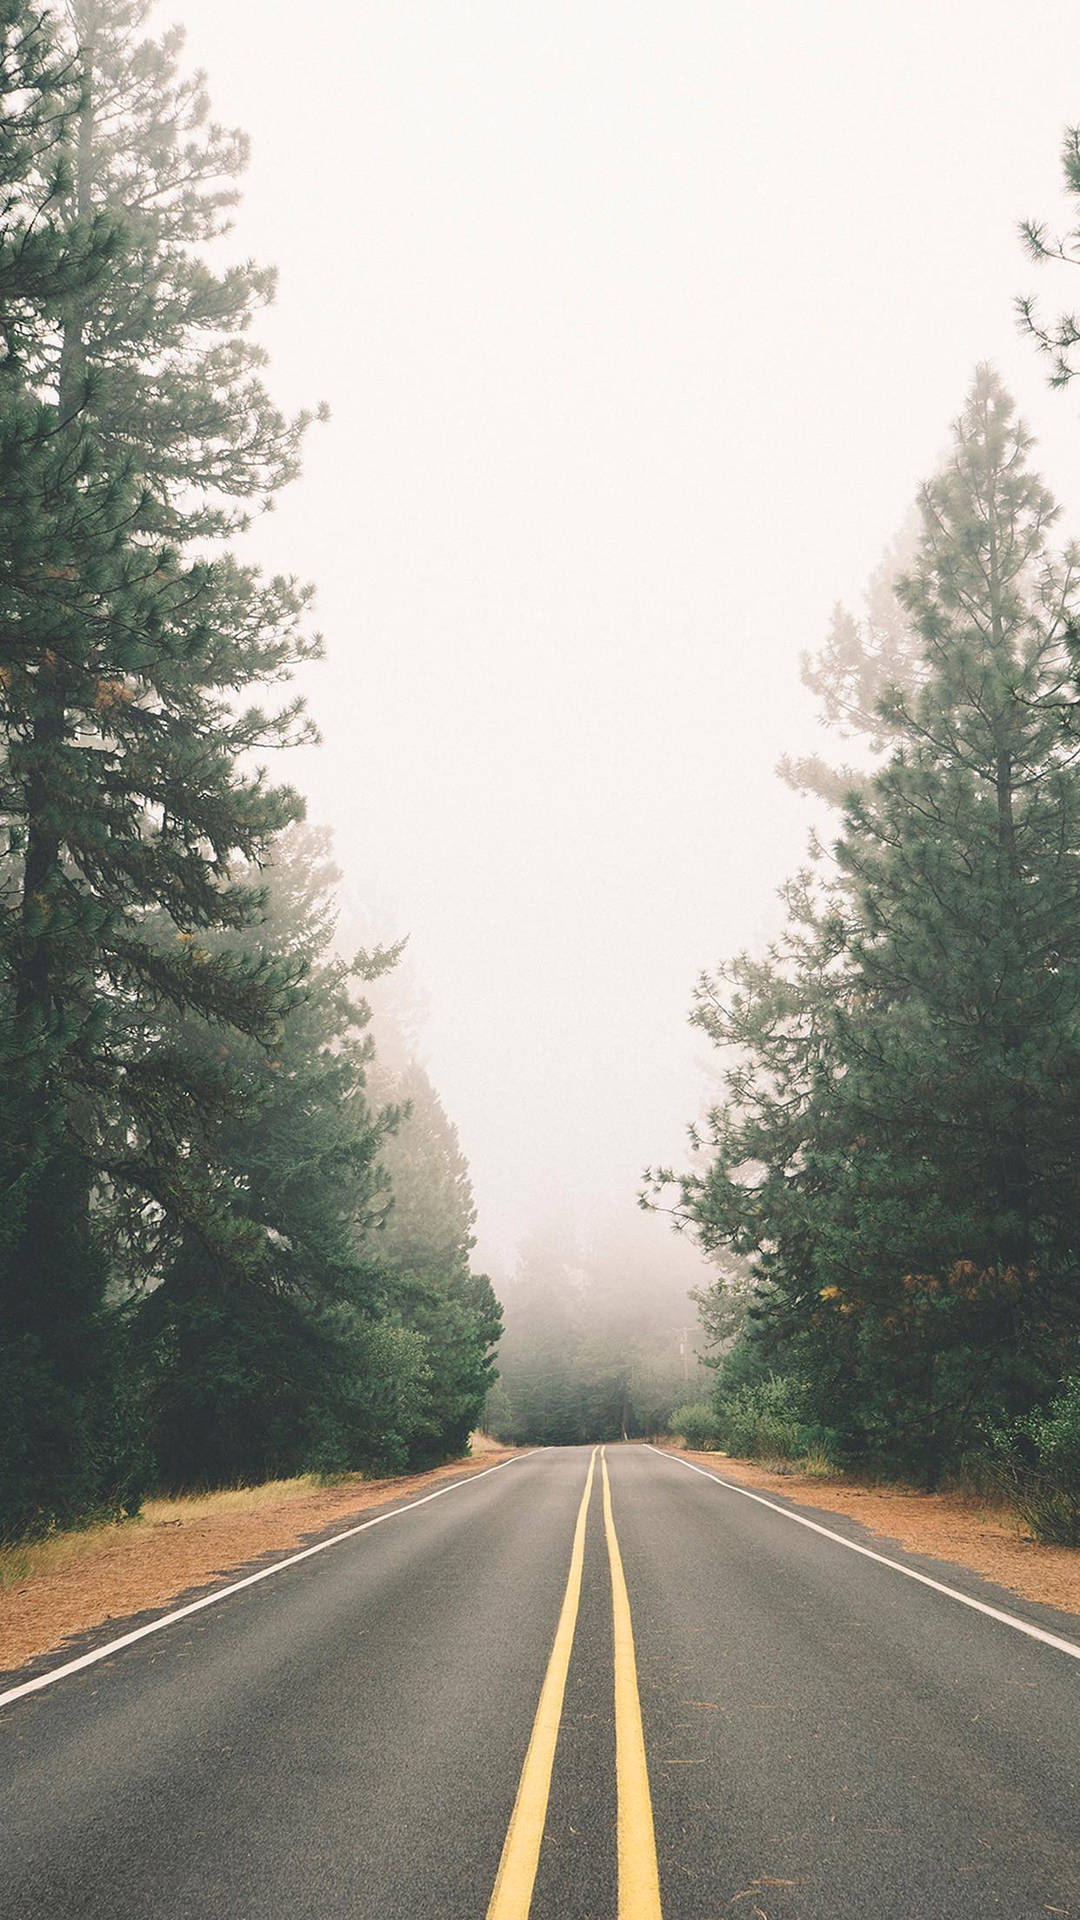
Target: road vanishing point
pixel 586 1684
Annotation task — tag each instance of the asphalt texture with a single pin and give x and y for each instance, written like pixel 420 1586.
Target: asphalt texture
pixel 825 1738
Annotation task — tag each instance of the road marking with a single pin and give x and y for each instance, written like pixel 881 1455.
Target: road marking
pixel 512 1893
pixel 250 1580
pixel 639 1879
pixel 951 1593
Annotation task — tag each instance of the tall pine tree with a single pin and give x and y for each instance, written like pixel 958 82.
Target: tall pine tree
pixel 423 1253
pixel 270 1354
pixel 62 1422
pixel 129 638
pixel 900 1145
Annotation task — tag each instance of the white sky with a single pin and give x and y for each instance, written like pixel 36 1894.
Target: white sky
pixel 639 323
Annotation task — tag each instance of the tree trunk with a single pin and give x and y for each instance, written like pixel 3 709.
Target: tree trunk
pixel 1013 1153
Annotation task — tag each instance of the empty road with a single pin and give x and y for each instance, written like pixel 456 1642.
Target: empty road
pixel 580 1685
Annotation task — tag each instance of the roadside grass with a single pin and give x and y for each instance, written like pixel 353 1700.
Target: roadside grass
pixel 23 1560
pixel 66 1582
pixel 26 1559
pixel 814 1465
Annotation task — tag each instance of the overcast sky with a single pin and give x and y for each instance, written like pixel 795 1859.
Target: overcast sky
pixel 640 325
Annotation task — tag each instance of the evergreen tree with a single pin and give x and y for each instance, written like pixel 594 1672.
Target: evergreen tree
pixel 128 637
pixel 44 258
pixel 863 661
pixel 1058 339
pixel 262 1354
pixel 900 1145
pixel 423 1252
pixel 62 1412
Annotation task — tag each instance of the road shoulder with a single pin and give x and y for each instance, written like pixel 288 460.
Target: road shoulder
pixel 129 1573
pixel 948 1529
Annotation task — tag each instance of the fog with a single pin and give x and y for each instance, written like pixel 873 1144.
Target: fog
pixel 639 327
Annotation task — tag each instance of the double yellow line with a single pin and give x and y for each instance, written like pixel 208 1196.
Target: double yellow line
pixel 639 1884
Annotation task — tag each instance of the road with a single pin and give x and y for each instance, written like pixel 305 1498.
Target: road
pixel 773 1728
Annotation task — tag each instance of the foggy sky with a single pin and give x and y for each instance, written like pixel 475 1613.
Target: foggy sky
pixel 639 324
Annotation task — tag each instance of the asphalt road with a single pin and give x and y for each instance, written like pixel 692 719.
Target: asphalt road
pixel 822 1736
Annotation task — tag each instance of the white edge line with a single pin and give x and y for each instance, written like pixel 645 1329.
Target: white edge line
pixel 236 1586
pixel 952 1593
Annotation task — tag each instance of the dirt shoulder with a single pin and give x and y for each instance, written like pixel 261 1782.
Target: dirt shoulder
pixel 79 1581
pixel 944 1526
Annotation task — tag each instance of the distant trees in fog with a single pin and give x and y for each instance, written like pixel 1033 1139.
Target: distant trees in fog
pixel 596 1345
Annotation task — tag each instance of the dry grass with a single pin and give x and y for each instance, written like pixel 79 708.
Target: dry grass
pixel 53 1553
pixel 63 1585
pixel 968 1529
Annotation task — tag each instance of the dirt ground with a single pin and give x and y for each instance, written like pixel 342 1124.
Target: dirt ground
pixel 120 1570
pixel 945 1526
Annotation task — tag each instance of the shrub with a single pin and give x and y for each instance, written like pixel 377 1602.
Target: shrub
pixel 766 1420
pixel 1036 1463
pixel 697 1425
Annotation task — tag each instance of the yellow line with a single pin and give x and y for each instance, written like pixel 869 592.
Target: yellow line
pixel 639 1879
pixel 512 1894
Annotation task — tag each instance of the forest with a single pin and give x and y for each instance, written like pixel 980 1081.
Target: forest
pixel 229 1247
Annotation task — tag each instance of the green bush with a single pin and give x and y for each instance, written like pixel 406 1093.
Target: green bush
pixel 766 1420
pixel 697 1424
pixel 1036 1464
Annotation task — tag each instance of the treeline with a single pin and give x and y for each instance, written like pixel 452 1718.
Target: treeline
pixel 223 1254
pixel 598 1344
pixel 897 1154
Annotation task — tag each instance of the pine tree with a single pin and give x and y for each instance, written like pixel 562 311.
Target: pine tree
pixel 862 662
pixel 900 1145
pixel 264 1354
pixel 1057 339
pixel 965 862
pixel 423 1253
pixel 964 870
pixel 128 637
pixel 64 1423
pixel 45 258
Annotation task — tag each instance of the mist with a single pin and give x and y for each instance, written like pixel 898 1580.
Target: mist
pixel 639 329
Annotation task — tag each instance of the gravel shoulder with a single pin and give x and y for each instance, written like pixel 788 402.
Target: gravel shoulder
pixel 943 1526
pixel 175 1547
